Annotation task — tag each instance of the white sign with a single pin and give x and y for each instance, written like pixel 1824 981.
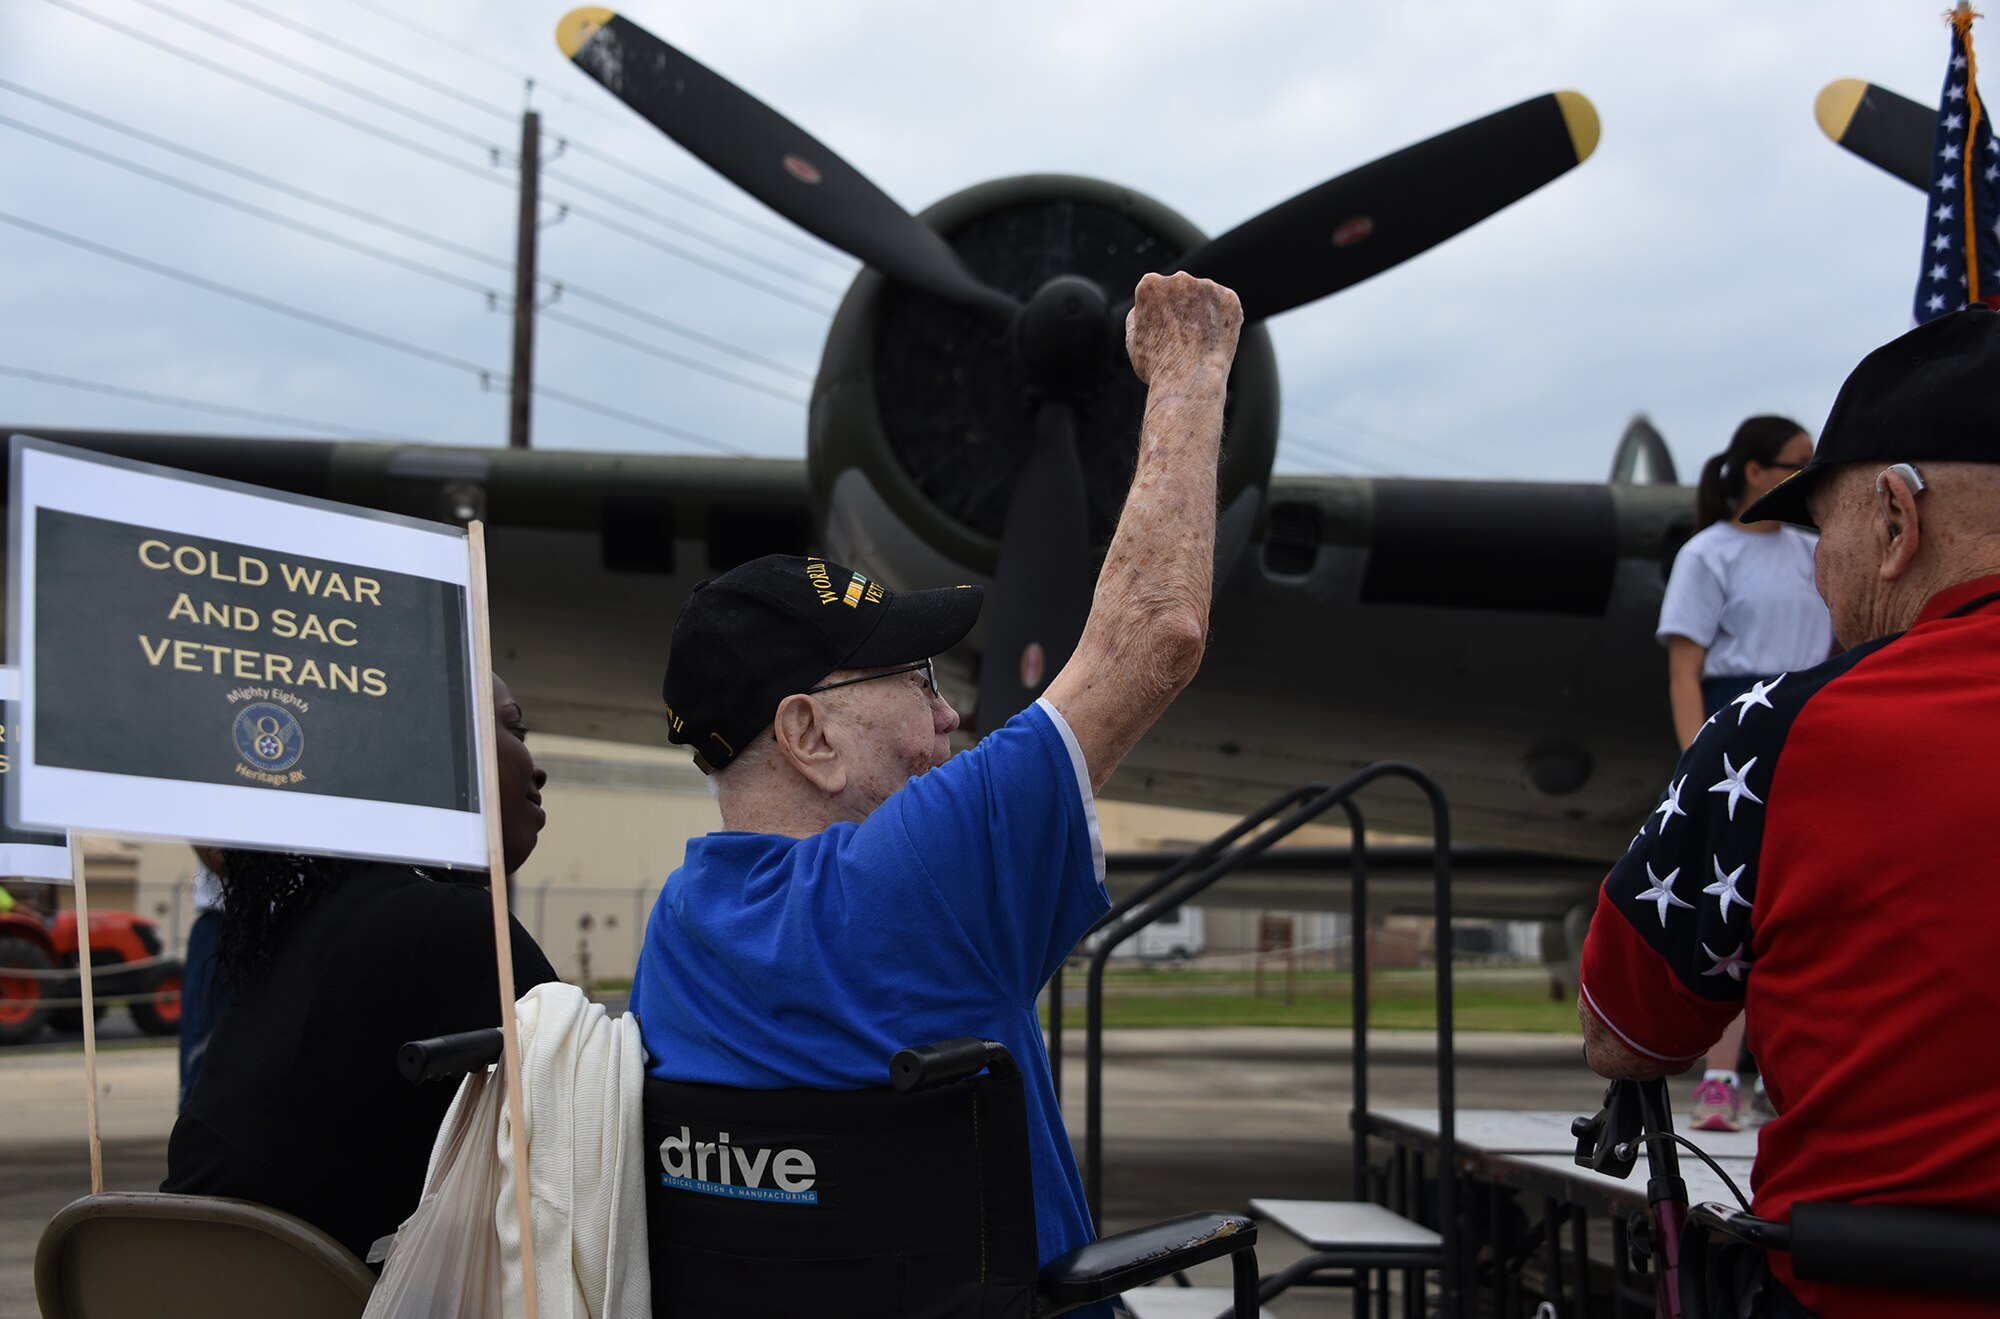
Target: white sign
pixel 24 853
pixel 204 659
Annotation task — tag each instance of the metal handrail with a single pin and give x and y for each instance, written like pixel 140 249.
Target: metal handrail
pixel 1316 800
pixel 1200 856
pixel 1134 914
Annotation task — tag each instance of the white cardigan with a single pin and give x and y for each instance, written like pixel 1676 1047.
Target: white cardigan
pixel 583 1074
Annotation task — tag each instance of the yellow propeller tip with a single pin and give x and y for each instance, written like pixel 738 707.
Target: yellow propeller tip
pixel 1835 105
pixel 577 27
pixel 1580 117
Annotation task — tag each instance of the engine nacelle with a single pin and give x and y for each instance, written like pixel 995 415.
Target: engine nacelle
pixel 921 421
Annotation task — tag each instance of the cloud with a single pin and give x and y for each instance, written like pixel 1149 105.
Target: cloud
pixel 1716 257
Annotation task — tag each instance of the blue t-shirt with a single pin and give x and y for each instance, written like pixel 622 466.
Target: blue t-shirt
pixel 772 962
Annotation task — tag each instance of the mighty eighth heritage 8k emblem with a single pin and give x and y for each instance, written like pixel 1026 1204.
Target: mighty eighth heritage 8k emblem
pixel 268 737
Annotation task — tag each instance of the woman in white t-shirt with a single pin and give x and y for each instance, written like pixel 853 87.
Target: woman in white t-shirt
pixel 1741 608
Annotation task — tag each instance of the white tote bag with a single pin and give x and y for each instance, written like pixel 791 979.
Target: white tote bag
pixel 444 1261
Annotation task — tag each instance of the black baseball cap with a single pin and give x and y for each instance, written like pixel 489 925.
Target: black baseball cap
pixel 1932 394
pixel 778 625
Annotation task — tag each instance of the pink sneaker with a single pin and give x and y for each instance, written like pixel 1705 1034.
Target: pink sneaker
pixel 1718 1106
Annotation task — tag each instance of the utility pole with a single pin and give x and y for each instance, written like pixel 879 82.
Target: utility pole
pixel 524 281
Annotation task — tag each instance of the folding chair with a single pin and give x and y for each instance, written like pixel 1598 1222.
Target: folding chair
pixel 145 1255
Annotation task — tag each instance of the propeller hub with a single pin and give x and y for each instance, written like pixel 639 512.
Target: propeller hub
pixel 1063 336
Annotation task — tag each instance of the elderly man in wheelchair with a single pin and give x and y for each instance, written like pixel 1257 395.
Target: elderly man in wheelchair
pixel 869 887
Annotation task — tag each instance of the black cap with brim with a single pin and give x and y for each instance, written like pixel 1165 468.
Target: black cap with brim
pixel 1786 501
pixel 778 625
pixel 918 625
pixel 1929 395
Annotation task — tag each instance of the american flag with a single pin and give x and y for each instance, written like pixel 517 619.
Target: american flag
pixel 1964 194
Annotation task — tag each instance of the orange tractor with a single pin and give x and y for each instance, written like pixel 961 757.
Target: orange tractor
pixel 39 985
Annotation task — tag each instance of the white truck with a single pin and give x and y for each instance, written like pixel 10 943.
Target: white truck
pixel 1176 937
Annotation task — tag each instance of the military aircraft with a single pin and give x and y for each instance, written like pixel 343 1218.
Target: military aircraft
pixel 974 419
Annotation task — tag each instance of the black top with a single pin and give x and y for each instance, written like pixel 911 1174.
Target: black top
pixel 299 1104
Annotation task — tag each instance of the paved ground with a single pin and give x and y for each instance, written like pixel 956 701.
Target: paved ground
pixel 1195 1120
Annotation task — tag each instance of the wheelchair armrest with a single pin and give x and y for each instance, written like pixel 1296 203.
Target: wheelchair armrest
pixel 1704 1223
pixel 1900 1247
pixel 449 1055
pixel 1897 1246
pixel 1114 1264
pixel 1728 1221
pixel 926 1065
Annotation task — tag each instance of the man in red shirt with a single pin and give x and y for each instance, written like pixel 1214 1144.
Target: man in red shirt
pixel 1823 855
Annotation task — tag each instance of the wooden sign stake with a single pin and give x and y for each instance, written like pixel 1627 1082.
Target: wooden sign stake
pixel 503 944
pixel 89 1012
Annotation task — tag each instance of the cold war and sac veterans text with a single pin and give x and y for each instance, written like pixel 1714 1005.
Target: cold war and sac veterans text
pixel 273 669
pixel 326 588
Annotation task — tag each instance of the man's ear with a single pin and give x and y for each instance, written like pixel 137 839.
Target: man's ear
pixel 801 731
pixel 1897 529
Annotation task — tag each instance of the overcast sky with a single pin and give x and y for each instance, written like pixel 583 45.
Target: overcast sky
pixel 1716 257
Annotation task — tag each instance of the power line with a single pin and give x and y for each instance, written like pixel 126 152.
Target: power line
pixel 663 428
pixel 668 222
pixel 404 22
pixel 1401 441
pixel 266 180
pixel 370 57
pixel 1323 449
pixel 420 148
pixel 248 208
pixel 749 281
pixel 283 94
pixel 402 19
pixel 667 354
pixel 812 247
pixel 492 296
pixel 673 327
pixel 195 405
pixel 486 374
pixel 314 72
pixel 569 288
pixel 790 238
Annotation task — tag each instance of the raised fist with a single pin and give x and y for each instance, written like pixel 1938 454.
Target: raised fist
pixel 1179 324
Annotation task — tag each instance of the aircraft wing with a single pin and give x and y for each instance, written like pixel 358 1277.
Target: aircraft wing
pixel 1497 634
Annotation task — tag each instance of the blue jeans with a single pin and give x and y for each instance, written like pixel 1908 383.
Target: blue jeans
pixel 198 1013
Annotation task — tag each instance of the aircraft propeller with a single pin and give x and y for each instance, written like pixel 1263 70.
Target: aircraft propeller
pixel 771 158
pixel 1068 336
pixel 1884 128
pixel 1369 219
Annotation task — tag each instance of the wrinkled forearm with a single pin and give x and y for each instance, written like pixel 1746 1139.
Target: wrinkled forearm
pixel 1153 595
pixel 1148 621
pixel 1609 1056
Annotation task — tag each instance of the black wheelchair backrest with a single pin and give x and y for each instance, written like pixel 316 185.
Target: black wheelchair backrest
pixel 865 1202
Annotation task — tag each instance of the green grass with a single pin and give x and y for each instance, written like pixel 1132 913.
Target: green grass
pixel 1509 1000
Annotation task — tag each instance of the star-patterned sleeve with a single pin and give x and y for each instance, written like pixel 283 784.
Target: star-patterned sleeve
pixel 1671 946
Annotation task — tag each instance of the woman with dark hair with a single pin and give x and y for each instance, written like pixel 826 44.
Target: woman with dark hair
pixel 1741 608
pixel 328 966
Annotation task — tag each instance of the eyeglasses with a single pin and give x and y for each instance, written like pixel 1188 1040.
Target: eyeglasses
pixel 1784 467
pixel 921 666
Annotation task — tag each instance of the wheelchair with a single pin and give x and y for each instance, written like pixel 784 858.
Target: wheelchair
pixel 1707 1258
pixel 909 1199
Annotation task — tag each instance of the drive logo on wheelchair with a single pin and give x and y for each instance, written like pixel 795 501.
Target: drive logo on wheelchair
pixel 746 1169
